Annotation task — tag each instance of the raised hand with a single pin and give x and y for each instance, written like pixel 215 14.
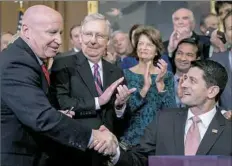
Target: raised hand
pixel 147 80
pixel 123 94
pixel 228 114
pixel 105 97
pixel 162 70
pixel 114 12
pixel 216 42
pixel 177 35
pixel 104 141
pixel 147 76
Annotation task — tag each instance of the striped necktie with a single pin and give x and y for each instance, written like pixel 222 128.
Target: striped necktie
pixel 97 79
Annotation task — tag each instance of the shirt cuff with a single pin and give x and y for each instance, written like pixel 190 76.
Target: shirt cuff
pixel 97 105
pixel 115 159
pixel 120 112
pixel 223 112
pixel 91 139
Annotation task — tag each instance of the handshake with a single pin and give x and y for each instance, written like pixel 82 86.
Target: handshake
pixel 104 142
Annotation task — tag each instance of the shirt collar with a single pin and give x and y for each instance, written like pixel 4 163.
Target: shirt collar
pixel 75 49
pixel 99 64
pixel 206 118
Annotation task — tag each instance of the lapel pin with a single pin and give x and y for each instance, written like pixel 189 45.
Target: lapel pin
pixel 214 131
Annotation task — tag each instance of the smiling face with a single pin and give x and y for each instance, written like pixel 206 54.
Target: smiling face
pixel 43 31
pixel 195 91
pixel 94 39
pixel 183 18
pixel 184 55
pixel 146 50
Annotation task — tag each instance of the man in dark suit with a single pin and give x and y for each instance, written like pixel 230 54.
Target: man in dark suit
pixel 225 59
pixel 31 129
pixel 198 130
pixel 84 80
pixel 183 27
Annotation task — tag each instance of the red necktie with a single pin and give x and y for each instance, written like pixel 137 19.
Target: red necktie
pixel 46 73
pixel 97 80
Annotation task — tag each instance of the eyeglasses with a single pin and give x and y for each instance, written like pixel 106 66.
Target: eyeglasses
pixel 87 36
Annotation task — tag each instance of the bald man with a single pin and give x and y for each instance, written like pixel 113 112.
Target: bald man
pixel 32 130
pixel 5 39
pixel 183 27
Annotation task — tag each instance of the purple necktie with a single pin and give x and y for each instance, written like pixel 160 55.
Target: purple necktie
pixel 193 137
pixel 97 79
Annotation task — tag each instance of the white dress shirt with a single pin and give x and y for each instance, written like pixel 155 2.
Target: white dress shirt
pixel 206 119
pixel 75 49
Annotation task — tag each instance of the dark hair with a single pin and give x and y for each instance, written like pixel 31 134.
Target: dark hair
pixel 74 26
pixel 191 41
pixel 134 27
pixel 154 36
pixel 204 17
pixel 219 4
pixel 224 20
pixel 214 74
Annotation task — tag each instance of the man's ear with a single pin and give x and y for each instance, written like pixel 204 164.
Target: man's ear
pixel 25 30
pixel 213 91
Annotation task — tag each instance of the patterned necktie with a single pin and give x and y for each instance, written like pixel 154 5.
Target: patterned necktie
pixel 46 73
pixel 193 137
pixel 97 79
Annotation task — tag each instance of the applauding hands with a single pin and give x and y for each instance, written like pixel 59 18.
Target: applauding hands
pixel 177 35
pixel 122 95
pixel 161 70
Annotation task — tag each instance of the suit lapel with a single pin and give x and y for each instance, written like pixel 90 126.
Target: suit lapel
pixel 213 132
pixel 179 127
pixel 85 73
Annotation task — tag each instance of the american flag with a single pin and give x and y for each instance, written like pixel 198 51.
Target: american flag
pixel 21 12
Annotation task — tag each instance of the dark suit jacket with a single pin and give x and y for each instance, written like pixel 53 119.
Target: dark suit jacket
pixel 73 80
pixel 226 96
pixel 165 136
pixel 29 124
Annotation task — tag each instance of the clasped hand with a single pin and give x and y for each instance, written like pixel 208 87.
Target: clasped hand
pixel 104 142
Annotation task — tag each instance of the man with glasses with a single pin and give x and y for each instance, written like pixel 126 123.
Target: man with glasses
pixel 88 83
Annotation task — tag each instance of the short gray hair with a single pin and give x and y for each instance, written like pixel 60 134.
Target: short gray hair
pixel 94 17
pixel 116 32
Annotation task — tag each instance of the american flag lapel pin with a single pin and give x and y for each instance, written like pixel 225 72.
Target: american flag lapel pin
pixel 214 131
